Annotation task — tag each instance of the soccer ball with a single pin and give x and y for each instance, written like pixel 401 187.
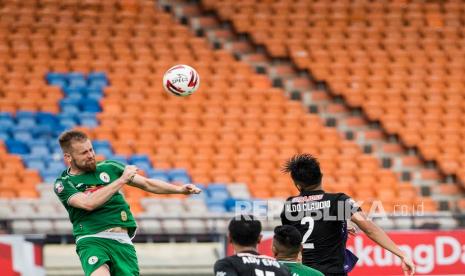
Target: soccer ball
pixel 181 80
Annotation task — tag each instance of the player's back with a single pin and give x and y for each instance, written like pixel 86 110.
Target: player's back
pixel 250 263
pixel 321 218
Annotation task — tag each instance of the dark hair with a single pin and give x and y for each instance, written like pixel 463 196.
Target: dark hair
pixel 304 169
pixel 244 230
pixel 67 137
pixel 287 239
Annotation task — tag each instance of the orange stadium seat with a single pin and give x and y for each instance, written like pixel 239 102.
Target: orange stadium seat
pixel 238 128
pixel 403 65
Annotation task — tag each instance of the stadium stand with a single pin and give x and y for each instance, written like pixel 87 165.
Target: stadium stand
pixel 97 66
pixel 400 62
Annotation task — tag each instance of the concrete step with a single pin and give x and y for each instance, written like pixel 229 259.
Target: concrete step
pixel 316 96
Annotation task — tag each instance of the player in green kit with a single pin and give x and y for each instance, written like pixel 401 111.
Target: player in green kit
pixel 287 246
pixel 103 224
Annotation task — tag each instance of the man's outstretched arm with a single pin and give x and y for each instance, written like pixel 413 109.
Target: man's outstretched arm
pixel 161 187
pixel 375 233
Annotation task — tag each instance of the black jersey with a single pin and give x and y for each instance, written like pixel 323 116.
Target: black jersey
pixel 322 218
pixel 250 263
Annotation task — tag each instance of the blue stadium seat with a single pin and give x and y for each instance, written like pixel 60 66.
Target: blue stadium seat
pixel 56 166
pixel 156 174
pixel 75 96
pixel 101 143
pixel 26 122
pixel 5 115
pixel 89 105
pixel 104 151
pixel 94 93
pixel 216 205
pixel 76 80
pixel 49 176
pixel 36 164
pixel 39 150
pixel 89 122
pixel 138 158
pixel 38 142
pixel 142 165
pixel 71 91
pixel 45 118
pixel 178 172
pixel 6 122
pixel 217 191
pixel 16 147
pixel 118 158
pixel 69 106
pixel 25 114
pixel 43 131
pixel 99 78
pixel 67 120
pixel 4 134
pixel 185 179
pixel 56 79
pixel 22 135
pixel 230 204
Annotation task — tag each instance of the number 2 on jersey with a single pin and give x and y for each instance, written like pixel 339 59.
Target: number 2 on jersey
pixel 259 272
pixel 311 224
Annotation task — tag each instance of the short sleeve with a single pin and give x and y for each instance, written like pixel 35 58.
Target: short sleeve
pixel 117 167
pixel 224 268
pixel 64 190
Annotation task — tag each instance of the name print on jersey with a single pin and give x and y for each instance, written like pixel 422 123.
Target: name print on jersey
pixel 308 206
pixel 313 206
pixel 252 259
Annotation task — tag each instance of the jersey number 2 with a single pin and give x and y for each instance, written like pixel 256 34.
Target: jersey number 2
pixel 311 224
pixel 259 272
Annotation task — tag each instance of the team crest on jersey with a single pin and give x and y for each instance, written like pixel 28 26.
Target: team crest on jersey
pixel 124 216
pixel 104 177
pixel 92 260
pixel 59 187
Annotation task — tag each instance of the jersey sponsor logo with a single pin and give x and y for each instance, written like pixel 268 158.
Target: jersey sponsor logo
pixel 79 185
pixel 92 260
pixel 93 188
pixel 104 177
pixel 59 187
pixel 124 216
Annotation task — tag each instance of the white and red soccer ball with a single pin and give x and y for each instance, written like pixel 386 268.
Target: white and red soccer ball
pixel 181 80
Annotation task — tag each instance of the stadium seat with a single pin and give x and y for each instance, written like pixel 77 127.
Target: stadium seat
pixel 238 127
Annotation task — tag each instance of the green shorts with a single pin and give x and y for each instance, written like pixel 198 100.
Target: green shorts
pixel 94 252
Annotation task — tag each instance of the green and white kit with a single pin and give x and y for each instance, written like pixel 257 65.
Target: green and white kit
pixel 94 246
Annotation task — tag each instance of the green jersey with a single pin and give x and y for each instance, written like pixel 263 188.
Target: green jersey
pixel 298 269
pixel 113 213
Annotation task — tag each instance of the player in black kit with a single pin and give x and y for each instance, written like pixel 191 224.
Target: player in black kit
pixel 322 219
pixel 244 235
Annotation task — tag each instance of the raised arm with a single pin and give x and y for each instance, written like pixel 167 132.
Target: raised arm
pixel 96 199
pixel 161 187
pixel 375 233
